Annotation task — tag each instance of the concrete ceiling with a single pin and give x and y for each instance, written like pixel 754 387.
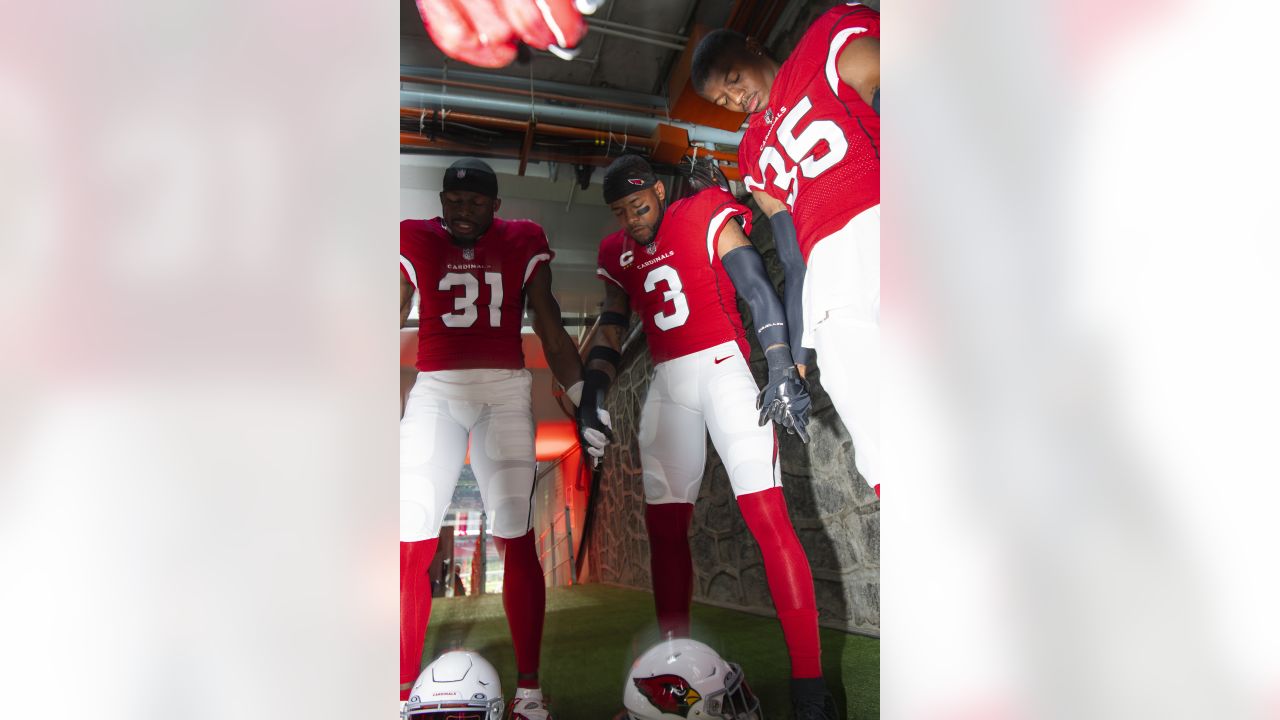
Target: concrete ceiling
pixel 606 61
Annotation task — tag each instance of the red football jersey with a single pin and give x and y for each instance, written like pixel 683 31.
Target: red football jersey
pixel 470 300
pixel 816 146
pixel 678 284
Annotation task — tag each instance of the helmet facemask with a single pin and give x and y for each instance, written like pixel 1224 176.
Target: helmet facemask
pixel 735 701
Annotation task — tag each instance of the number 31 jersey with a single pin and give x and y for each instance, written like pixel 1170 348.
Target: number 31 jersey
pixel 471 300
pixel 816 146
pixel 678 284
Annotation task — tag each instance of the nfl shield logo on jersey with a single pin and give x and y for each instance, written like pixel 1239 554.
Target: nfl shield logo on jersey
pixel 768 116
pixel 468 253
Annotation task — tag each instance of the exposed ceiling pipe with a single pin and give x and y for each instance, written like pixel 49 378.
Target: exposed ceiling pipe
pixel 420 80
pixel 626 124
pixel 415 140
pixel 520 126
pixel 635 30
pixel 548 86
pixel 496 123
pixel 638 38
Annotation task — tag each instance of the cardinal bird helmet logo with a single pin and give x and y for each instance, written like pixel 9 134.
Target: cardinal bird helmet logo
pixel 669 693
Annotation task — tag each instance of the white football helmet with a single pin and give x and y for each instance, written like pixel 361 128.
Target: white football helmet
pixel 685 679
pixel 458 685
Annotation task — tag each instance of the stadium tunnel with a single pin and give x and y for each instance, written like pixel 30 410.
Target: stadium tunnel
pixel 548 127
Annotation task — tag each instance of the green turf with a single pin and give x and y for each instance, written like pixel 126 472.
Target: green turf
pixel 593 632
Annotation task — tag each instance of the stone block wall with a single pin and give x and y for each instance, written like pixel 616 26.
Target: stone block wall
pixel 836 515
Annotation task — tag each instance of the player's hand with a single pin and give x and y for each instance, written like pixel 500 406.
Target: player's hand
pixel 595 429
pixel 487 33
pixel 595 432
pixel 704 173
pixel 785 400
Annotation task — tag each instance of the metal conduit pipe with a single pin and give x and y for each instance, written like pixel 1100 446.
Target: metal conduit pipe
pixel 632 29
pixel 519 83
pixel 615 122
pixel 414 140
pixel 525 92
pixel 638 38
pixel 430 115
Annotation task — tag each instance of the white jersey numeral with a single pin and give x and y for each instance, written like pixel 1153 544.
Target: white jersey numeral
pixel 799 149
pixel 464 307
pixel 674 294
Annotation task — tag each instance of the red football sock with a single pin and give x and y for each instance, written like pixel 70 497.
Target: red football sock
pixel 415 606
pixel 790 580
pixel 670 565
pixel 524 597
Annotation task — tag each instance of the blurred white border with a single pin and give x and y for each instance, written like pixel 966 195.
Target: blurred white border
pixel 1080 302
pixel 198 205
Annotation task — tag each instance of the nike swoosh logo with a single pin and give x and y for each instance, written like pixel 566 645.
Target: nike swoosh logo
pixel 720 360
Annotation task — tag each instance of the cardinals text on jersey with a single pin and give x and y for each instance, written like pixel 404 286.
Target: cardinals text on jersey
pixel 677 283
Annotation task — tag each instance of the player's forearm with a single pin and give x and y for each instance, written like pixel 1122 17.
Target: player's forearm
pixel 793 270
pixel 752 283
pixel 609 339
pixel 562 357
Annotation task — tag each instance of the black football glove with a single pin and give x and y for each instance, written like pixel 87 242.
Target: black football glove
pixel 785 400
pixel 595 431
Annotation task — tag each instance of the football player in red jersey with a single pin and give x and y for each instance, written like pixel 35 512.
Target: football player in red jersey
pixel 471 274
pixel 811 157
pixel 682 267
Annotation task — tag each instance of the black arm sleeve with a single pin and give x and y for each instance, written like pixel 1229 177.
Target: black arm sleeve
pixel 784 239
pixel 746 270
pixel 875 101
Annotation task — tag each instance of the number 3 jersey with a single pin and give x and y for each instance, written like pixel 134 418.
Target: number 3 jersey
pixel 816 146
pixel 471 300
pixel 677 284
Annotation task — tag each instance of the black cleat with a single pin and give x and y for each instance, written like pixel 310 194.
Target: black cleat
pixel 810 700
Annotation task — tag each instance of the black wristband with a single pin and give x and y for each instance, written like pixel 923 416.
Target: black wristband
pixel 607 354
pixel 594 381
pixel 778 358
pixel 875 101
pixel 615 318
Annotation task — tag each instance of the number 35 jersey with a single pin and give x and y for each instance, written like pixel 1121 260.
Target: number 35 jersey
pixel 470 300
pixel 816 146
pixel 678 284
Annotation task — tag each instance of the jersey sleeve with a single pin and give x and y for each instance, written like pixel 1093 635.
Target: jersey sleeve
pixel 537 250
pixel 408 251
pixel 747 163
pixel 607 267
pixel 846 23
pixel 721 208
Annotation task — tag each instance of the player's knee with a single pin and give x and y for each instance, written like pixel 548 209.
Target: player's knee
pixel 511 517
pixel 418 521
pixel 657 490
pixel 751 476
